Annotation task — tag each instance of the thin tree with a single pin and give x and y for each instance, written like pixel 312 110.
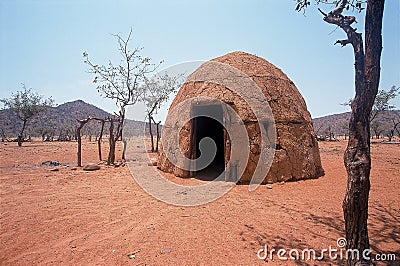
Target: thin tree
pixel 156 91
pixel 345 128
pixel 3 135
pixel 158 133
pixel 376 128
pixel 329 133
pixel 82 123
pixel 395 128
pixel 100 138
pixel 121 83
pixel 26 104
pixel 357 158
pixel 381 103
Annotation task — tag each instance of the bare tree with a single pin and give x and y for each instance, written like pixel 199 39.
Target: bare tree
pixel 357 158
pixel 156 91
pixel 122 83
pixel 26 104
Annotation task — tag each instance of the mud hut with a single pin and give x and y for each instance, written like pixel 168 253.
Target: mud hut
pixel 295 153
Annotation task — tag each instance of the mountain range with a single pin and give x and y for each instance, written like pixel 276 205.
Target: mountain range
pixel 338 123
pixel 63 118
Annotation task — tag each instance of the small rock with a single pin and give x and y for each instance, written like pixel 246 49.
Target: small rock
pixel 166 251
pixel 54 169
pixel 282 183
pixel 269 186
pixel 51 163
pixel 73 168
pixel 118 164
pixel 91 167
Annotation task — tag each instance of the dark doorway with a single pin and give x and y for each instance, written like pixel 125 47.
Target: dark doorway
pixel 208 123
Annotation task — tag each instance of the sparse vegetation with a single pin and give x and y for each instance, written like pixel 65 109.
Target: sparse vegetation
pixel 376 128
pixel 381 102
pixel 394 129
pixel 26 104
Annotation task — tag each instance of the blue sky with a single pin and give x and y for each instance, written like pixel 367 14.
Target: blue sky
pixel 42 41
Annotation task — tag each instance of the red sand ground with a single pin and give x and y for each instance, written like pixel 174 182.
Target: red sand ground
pixel 72 217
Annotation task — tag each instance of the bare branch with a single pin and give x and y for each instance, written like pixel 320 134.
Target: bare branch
pixel 342 42
pixel 322 12
pixel 340 8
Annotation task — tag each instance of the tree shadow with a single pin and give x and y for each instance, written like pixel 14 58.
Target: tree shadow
pixel 384 230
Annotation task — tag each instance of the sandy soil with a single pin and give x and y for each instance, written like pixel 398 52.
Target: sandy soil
pixel 73 217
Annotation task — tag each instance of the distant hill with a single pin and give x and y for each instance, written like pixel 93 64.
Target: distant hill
pixel 338 122
pixel 62 118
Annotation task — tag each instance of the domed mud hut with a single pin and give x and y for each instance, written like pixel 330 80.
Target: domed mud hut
pixel 295 153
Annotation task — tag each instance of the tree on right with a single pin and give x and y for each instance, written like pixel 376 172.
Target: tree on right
pixel 357 158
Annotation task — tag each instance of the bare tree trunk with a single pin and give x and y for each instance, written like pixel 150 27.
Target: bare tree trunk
pixel 150 114
pixel 397 130
pixel 151 134
pixel 3 135
pixel 100 138
pixel 121 129
pixel 79 136
pixel 124 142
pixel 158 135
pixel 390 135
pixel 20 136
pixel 357 158
pixel 111 153
pixel 394 130
pixel 79 146
pixel 157 132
